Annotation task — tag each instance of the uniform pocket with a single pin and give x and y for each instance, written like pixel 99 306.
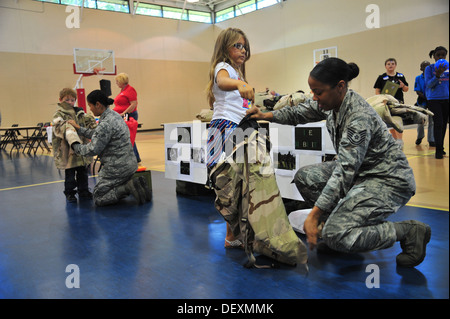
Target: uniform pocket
pixel 227 186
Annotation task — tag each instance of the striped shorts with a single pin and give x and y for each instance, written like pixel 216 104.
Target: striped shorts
pixel 218 133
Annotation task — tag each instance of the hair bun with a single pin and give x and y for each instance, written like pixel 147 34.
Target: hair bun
pixel 110 101
pixel 353 71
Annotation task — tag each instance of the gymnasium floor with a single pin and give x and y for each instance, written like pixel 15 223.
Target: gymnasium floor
pixel 172 247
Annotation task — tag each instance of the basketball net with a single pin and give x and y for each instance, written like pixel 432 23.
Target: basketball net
pixel 99 71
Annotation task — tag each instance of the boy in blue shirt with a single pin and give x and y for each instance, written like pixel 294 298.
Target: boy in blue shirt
pixel 419 88
pixel 436 81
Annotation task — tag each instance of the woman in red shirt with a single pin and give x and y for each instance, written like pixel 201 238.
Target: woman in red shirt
pixel 126 103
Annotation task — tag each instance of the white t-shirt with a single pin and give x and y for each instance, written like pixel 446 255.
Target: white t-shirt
pixel 228 105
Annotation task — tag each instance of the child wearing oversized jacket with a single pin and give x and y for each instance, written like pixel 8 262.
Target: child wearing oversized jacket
pixel 75 166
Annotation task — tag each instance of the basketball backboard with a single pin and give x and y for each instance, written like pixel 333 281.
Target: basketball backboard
pixel 94 61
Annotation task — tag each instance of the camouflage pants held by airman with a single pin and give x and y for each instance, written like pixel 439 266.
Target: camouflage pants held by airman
pixel 249 200
pixel 358 222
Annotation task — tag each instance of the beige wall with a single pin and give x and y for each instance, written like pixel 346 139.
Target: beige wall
pixel 283 39
pixel 168 91
pixel 298 22
pixel 286 70
pixel 168 61
pixel 164 59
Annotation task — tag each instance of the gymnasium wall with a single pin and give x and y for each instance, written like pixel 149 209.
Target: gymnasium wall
pixel 168 60
pixel 283 39
pixel 164 59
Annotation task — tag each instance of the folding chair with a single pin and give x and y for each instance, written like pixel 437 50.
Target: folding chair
pixel 32 139
pixel 39 138
pixel 11 136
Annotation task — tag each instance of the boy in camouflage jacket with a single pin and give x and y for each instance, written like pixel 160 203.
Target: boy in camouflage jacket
pixel 75 166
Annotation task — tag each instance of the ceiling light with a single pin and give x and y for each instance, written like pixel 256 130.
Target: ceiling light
pixel 191 1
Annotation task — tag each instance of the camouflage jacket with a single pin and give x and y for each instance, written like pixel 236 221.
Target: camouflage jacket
pixel 110 140
pixel 63 155
pixel 365 148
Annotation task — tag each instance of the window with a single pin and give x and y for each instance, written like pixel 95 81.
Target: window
pixel 70 2
pixel 174 13
pixel 149 10
pixel 91 4
pixel 245 7
pixel 225 14
pixel 199 16
pixel 266 3
pixel 113 5
pixel 154 10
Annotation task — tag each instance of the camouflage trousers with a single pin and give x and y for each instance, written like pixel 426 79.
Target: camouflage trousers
pixel 358 222
pixel 249 200
pixel 107 191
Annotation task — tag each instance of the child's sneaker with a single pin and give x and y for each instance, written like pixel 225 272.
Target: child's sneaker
pixel 71 198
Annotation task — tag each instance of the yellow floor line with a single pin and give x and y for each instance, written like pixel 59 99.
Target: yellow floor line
pixel 421 155
pixel 428 207
pixel 33 185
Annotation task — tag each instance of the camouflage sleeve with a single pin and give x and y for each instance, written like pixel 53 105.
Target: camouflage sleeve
pixel 71 135
pixel 86 132
pixel 300 114
pixel 88 125
pixel 89 121
pixel 353 146
pixel 59 126
pixel 100 137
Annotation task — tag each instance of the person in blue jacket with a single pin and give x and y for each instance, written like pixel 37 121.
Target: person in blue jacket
pixel 419 88
pixel 436 81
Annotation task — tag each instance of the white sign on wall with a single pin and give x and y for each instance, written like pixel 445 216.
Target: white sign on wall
pixel 325 53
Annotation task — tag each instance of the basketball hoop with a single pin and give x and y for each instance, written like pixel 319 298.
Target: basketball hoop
pixel 94 61
pixel 98 71
pixel 88 62
pixel 95 71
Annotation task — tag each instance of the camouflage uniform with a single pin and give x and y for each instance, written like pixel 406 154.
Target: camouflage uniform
pixel 370 179
pixel 249 200
pixel 111 142
pixel 63 155
pixel 75 166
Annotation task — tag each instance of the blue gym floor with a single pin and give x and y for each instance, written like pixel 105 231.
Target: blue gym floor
pixel 172 248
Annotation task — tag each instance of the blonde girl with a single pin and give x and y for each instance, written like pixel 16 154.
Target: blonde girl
pixel 228 94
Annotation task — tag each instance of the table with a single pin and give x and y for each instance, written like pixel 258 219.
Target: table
pixel 31 136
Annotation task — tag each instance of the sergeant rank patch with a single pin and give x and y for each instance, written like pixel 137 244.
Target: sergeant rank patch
pixel 356 138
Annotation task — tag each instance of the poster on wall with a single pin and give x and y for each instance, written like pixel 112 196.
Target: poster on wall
pixel 325 53
pixel 185 148
pixel 284 161
pixel 309 138
pixel 198 156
